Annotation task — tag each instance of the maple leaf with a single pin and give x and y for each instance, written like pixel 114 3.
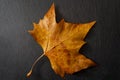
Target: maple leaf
pixel 61 43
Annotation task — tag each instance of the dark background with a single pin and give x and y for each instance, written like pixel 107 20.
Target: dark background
pixel 18 50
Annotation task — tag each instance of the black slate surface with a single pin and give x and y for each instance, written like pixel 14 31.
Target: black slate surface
pixel 18 50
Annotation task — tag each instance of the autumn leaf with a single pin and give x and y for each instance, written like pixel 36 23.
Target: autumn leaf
pixel 61 43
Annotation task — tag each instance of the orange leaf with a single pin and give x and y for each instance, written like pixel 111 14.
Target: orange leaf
pixel 61 43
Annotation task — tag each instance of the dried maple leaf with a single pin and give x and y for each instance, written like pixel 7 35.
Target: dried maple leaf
pixel 61 43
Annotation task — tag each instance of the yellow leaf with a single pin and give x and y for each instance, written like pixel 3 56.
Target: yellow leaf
pixel 61 43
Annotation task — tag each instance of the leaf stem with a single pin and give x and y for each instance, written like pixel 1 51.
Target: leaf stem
pixel 30 72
